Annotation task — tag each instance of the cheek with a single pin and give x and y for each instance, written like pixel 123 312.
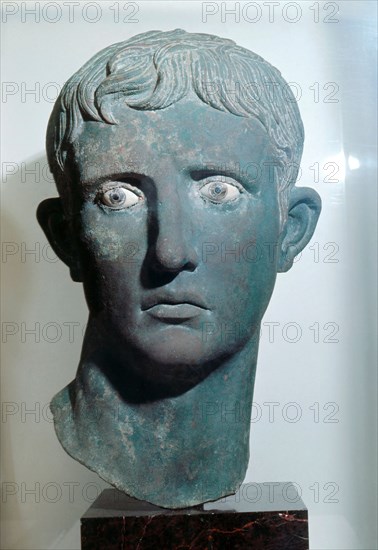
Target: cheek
pixel 243 240
pixel 240 260
pixel 115 237
pixel 112 252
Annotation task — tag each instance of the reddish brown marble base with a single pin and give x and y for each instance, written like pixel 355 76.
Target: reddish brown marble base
pixel 265 516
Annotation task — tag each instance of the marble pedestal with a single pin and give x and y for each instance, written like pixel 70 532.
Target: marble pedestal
pixel 260 516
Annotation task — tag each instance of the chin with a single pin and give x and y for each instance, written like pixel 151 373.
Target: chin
pixel 174 359
pixel 175 345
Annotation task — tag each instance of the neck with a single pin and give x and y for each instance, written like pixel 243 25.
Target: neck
pixel 174 452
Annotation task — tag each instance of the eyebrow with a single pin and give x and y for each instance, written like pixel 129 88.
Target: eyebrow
pixel 236 173
pixel 210 169
pixel 123 176
pixel 197 171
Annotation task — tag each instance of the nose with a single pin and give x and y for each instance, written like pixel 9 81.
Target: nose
pixel 174 249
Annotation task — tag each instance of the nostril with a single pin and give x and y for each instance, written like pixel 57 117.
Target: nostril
pixel 175 259
pixel 162 270
pixel 190 266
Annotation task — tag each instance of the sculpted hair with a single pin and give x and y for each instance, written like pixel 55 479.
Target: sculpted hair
pixel 156 69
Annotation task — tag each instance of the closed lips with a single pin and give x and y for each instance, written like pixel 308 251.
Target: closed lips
pixel 173 301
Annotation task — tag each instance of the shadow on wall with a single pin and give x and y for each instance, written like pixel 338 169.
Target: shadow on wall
pixel 39 296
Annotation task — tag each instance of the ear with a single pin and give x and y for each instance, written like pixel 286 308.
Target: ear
pixel 51 218
pixel 304 209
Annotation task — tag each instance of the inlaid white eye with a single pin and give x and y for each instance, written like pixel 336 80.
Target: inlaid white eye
pixel 220 191
pixel 119 198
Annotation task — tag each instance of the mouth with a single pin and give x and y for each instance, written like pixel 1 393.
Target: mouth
pixel 174 309
pixel 171 313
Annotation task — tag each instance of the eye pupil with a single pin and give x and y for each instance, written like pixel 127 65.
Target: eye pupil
pixel 218 191
pixel 119 198
pixel 116 196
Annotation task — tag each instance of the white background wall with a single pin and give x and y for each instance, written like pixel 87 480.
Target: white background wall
pixel 325 381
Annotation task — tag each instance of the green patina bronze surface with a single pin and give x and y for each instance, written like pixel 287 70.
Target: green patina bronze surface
pixel 175 162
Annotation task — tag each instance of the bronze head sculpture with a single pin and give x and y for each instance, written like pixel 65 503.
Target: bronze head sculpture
pixel 175 156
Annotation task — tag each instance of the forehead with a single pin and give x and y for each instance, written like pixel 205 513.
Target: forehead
pixel 187 134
